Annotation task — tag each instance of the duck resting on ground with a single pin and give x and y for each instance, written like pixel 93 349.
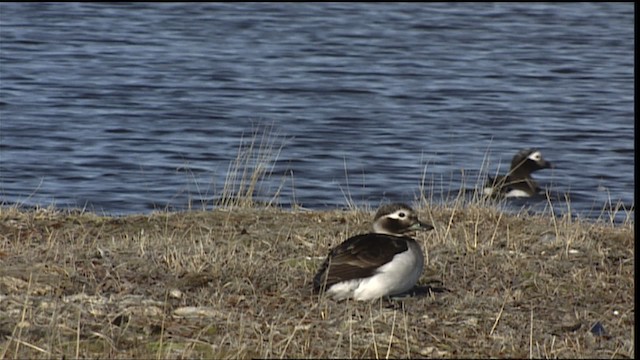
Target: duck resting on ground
pixel 382 263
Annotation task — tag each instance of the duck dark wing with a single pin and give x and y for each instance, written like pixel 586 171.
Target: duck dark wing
pixel 497 181
pixel 358 257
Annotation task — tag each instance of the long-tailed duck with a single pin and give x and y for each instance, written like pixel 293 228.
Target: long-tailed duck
pixel 383 263
pixel 518 182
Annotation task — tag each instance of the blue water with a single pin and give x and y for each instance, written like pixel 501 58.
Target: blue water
pixel 129 108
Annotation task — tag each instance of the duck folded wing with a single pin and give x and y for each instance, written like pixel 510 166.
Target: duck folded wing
pixel 359 257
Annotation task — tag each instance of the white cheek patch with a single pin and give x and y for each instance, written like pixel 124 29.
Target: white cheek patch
pixel 535 156
pixel 399 215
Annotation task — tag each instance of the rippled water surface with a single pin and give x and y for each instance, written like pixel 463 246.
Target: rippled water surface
pixel 127 108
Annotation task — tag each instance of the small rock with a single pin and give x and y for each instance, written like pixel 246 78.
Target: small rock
pixel 598 329
pixel 548 238
pixel 23 324
pixel 175 293
pixel 196 312
pixel 120 320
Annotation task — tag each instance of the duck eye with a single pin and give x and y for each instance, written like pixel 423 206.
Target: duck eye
pixel 401 215
pixel 536 156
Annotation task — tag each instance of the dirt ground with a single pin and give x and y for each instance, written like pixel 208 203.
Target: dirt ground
pixel 236 283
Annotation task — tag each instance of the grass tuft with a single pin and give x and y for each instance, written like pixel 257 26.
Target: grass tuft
pixel 251 169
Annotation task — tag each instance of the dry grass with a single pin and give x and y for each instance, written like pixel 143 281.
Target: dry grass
pixel 251 168
pixel 235 283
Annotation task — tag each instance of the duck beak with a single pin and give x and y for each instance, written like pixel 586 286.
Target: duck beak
pixel 421 226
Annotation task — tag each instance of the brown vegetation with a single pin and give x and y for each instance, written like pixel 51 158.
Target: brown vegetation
pixel 235 283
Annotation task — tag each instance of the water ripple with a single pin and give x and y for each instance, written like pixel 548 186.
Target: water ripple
pixel 134 107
